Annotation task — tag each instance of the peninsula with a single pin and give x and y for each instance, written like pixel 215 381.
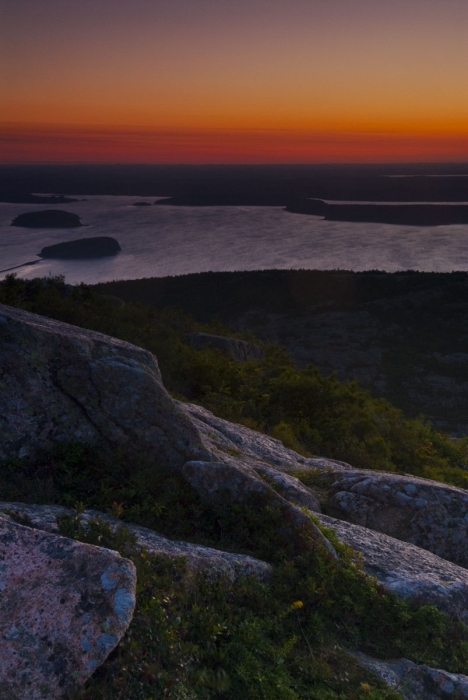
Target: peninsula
pixel 399 214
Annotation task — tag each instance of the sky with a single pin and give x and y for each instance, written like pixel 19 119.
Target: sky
pixel 233 81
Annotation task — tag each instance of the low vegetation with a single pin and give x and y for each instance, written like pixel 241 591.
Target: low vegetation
pixel 406 332
pixel 310 413
pixel 195 638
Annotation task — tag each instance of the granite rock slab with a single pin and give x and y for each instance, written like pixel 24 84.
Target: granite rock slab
pixel 61 383
pixel 213 562
pixel 64 606
pixel 426 513
pixel 417 682
pixel 410 572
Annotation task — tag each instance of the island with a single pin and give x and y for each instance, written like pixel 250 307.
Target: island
pixel 142 204
pixel 97 247
pixel 48 218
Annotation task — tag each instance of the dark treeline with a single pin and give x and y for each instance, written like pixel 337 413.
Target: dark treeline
pixel 226 295
pixel 403 335
pixel 242 184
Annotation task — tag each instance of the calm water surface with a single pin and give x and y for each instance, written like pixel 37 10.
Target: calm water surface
pixel 158 241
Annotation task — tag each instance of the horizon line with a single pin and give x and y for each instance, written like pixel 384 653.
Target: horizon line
pixel 247 164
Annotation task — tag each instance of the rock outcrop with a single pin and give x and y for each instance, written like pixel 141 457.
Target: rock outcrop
pixel 62 383
pixel 64 606
pixel 417 682
pixel 240 350
pixel 82 248
pixel 233 441
pixel 211 561
pixel 410 572
pixel 47 218
pixel 408 529
pixel 431 515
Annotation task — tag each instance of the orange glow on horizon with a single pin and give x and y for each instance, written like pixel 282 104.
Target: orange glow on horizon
pixel 29 144
pixel 245 81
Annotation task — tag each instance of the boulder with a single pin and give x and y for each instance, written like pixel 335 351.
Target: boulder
pixel 211 561
pixel 417 682
pixel 64 606
pixel 240 350
pixel 410 572
pixel 426 513
pixel 47 218
pixel 82 248
pixel 62 383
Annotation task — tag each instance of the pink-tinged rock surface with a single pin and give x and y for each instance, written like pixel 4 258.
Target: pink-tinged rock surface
pixel 64 606
pixel 61 383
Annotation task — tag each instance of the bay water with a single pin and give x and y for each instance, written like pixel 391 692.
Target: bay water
pixel 158 241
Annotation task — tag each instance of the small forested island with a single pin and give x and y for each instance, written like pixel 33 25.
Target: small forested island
pixel 48 218
pixel 96 247
pixel 142 204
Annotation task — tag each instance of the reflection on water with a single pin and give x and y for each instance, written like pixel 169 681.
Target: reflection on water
pixel 162 240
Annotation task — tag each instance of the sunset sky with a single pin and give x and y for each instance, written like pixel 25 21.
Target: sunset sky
pixel 233 81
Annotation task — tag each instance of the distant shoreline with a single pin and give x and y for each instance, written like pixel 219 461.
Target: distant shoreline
pixel 401 214
pixel 242 185
pixel 398 214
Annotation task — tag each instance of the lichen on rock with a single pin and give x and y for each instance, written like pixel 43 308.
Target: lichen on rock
pixel 64 606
